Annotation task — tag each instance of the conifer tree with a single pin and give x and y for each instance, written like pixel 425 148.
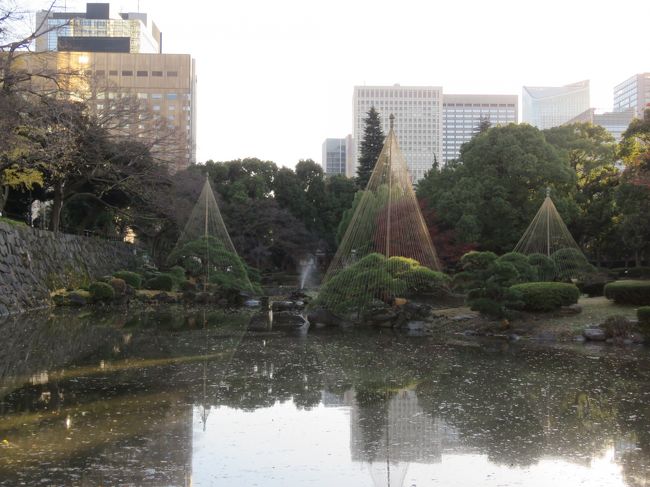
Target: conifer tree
pixel 371 145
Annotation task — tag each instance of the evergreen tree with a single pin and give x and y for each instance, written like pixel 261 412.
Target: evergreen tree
pixel 371 145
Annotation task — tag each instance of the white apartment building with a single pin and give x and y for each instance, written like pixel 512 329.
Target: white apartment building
pixel 462 115
pixel 551 106
pixel 418 122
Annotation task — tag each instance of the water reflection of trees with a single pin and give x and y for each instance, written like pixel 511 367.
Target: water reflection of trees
pixel 411 400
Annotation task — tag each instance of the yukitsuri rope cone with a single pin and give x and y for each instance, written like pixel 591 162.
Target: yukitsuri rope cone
pixel 549 236
pixel 386 251
pixel 205 227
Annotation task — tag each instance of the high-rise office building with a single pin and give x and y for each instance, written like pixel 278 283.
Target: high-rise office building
pixel 614 122
pixel 105 60
pixel 334 156
pixel 94 30
pixel 551 106
pixel 462 115
pixel 418 121
pixel 633 93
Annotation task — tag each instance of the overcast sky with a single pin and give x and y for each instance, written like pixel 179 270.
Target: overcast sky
pixel 276 77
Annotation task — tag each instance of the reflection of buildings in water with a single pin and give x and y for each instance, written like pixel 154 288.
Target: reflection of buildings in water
pixel 410 434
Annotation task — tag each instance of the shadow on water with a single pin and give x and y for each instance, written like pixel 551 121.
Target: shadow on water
pixel 98 398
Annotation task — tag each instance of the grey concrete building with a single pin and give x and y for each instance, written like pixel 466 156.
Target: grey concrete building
pixel 462 115
pixel 614 122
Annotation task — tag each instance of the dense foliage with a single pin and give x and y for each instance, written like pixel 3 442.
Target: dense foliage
pixel 375 279
pixel 370 147
pixel 629 292
pixel 546 296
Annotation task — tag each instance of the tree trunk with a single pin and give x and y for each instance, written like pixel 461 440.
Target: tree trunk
pixel 4 196
pixel 637 258
pixel 57 206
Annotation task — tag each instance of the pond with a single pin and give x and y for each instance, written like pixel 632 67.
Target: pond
pixel 173 398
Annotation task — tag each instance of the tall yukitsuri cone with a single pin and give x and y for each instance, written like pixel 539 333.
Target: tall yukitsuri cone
pixel 387 221
pixel 205 226
pixel 548 235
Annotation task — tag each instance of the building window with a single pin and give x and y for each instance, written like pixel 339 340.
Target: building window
pixel 171 96
pixel 156 96
pixel 142 96
pixel 156 108
pixel 112 72
pixel 100 72
pixel 156 73
pixel 172 74
pixel 143 74
pixel 127 73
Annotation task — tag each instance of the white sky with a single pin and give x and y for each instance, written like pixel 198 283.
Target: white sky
pixel 276 77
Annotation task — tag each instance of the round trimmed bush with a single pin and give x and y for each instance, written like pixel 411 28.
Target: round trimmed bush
pixel 133 279
pixel 643 314
pixel 629 292
pixel 187 286
pixel 543 266
pixel 162 282
pixel 546 296
pixel 100 291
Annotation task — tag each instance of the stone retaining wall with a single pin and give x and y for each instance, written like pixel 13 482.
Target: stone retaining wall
pixel 35 262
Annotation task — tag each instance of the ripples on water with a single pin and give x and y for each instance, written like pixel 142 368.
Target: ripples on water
pixel 161 399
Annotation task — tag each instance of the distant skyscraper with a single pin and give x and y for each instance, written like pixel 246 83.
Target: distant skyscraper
pixel 334 156
pixel 418 121
pixel 633 93
pixel 551 106
pixel 462 115
pixel 614 122
pixel 350 154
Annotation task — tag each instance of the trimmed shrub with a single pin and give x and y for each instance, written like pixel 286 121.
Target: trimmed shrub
pixel 162 282
pixel 638 273
pixel 118 285
pixel 521 263
pixel 629 292
pixel 546 296
pixel 422 280
pixel 543 266
pixel 100 291
pixel 643 314
pixel 133 279
pixel 177 273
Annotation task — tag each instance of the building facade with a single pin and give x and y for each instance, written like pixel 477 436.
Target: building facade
pixel 614 122
pixel 122 76
pixel 334 159
pixel 462 115
pixel 552 106
pixel 418 122
pixel 95 30
pixel 634 94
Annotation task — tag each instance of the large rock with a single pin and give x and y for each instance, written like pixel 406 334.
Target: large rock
pixel 260 321
pixel 594 334
pixel 285 306
pixel 322 316
pixel 287 319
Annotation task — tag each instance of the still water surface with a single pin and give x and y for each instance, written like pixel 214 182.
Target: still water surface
pixel 160 399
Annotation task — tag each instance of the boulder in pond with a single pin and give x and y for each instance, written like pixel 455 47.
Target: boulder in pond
pixel 594 334
pixel 322 316
pixel 287 319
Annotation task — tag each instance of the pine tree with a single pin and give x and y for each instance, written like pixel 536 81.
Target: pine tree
pixel 371 145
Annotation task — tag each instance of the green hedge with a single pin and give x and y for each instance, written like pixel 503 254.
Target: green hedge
pixel 133 279
pixel 629 292
pixel 162 282
pixel 546 296
pixel 100 291
pixel 643 314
